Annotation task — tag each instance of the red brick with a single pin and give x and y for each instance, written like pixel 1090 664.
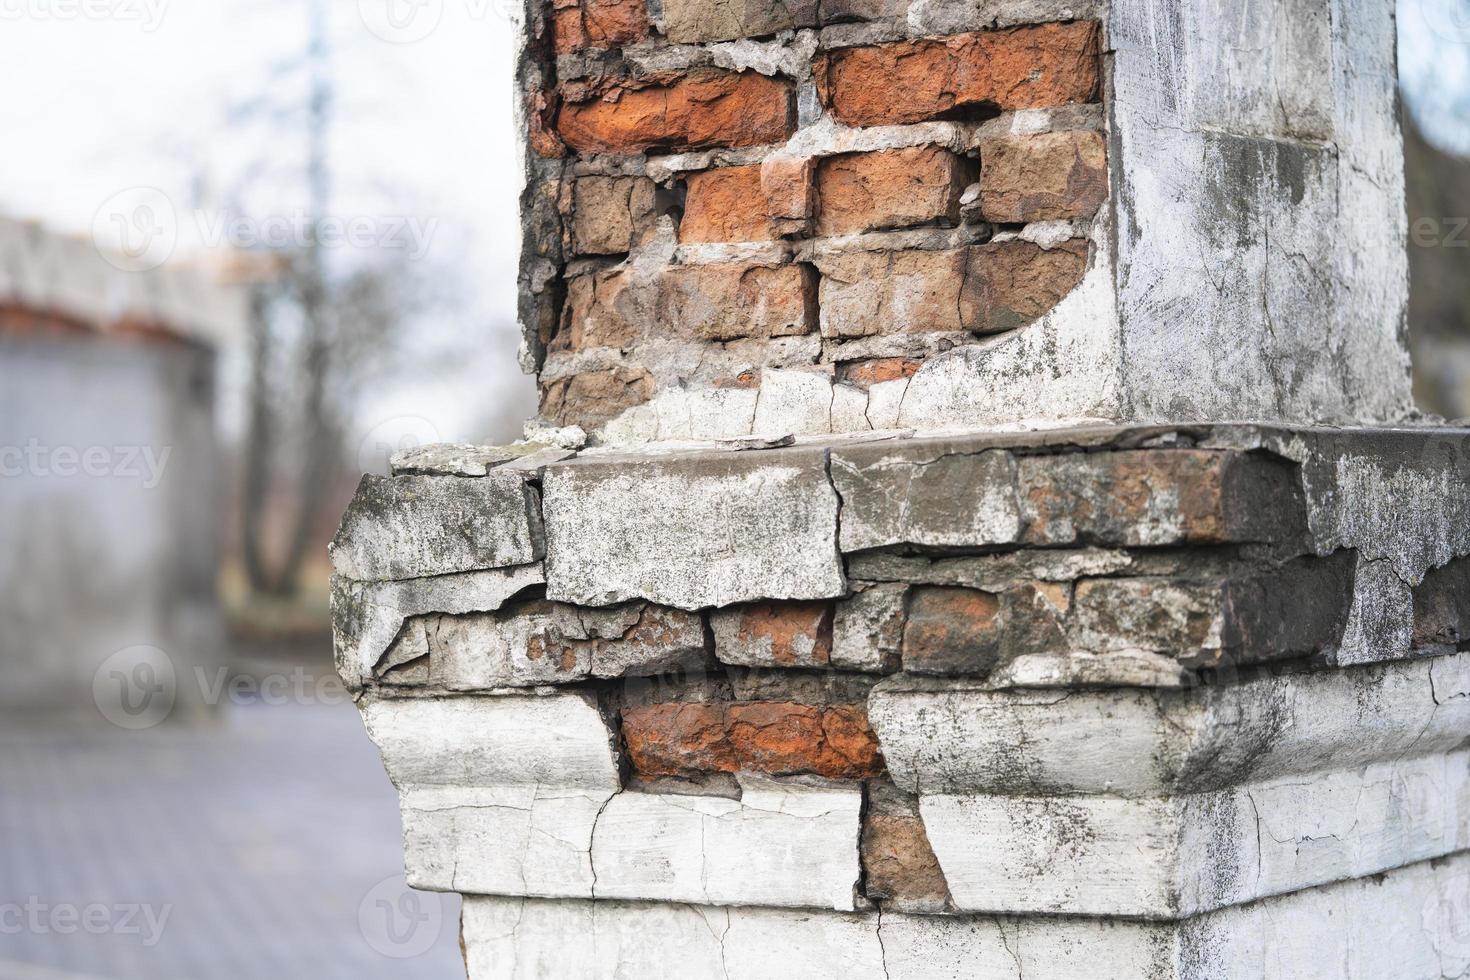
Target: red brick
pixel 593 398
pixel 579 24
pixel 696 21
pixel 773 737
pixel 790 190
pixel 902 870
pixel 966 631
pixel 610 215
pixel 706 108
pixel 865 374
pixel 722 301
pixel 1011 284
pixel 911 81
pixel 726 205
pixel 1042 177
pixel 774 634
pixel 889 189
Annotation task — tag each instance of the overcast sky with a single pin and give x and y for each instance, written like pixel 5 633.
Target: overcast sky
pixel 106 96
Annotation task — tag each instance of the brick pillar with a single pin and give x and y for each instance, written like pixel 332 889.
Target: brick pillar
pixel 812 218
pixel 1101 686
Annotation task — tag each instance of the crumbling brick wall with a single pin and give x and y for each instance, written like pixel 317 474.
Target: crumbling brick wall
pixel 763 200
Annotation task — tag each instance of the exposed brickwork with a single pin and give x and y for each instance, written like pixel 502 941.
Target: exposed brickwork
pixel 902 871
pixel 789 187
pixel 966 74
pixel 865 374
pixel 889 189
pixel 726 205
pixel 771 737
pixel 778 634
pixel 579 24
pixel 697 209
pixel 701 109
pixel 1043 176
pixel 981 289
pixel 609 215
pixel 702 302
pixel 595 397
pixel 693 21
pixel 967 631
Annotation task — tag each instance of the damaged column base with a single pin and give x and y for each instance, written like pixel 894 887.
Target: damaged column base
pixel 1183 702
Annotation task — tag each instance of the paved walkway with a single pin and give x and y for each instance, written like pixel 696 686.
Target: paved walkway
pixel 266 846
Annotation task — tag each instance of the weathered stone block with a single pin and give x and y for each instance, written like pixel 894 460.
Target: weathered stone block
pixel 450 747
pixel 725 205
pixel 368 616
pixel 1148 744
pixel 867 630
pixel 896 495
pixel 777 634
pixel 889 189
pixel 1043 177
pixel 538 642
pixel 610 215
pixel 967 631
pixel 780 844
pixel 695 21
pixel 1178 857
pixel 1402 924
pixel 770 737
pixel 1024 68
pixel 705 108
pixel 411 526
pixel 1153 498
pixel 701 530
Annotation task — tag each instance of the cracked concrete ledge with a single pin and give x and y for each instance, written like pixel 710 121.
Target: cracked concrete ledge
pixel 1405 924
pixel 697 528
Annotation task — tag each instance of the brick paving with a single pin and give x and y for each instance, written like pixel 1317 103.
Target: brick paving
pixel 254 843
